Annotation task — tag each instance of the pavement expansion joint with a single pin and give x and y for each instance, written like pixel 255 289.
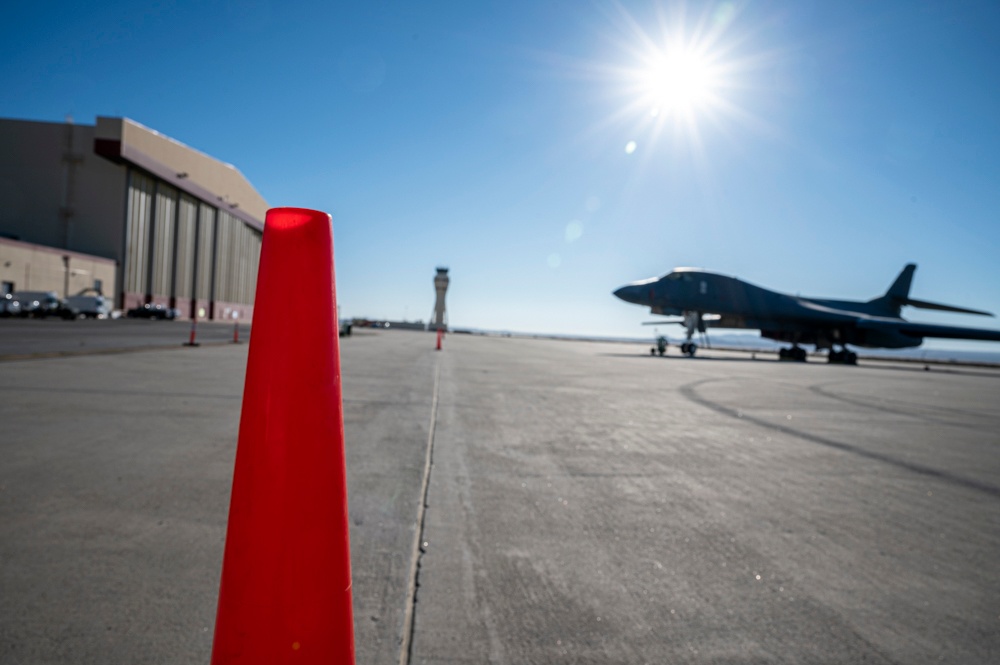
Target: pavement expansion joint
pixel 409 614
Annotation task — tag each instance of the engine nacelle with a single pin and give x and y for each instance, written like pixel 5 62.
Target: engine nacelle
pixel 794 337
pixel 882 339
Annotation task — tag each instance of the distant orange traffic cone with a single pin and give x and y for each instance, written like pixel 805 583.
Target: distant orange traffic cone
pixel 194 332
pixel 286 575
pixel 440 335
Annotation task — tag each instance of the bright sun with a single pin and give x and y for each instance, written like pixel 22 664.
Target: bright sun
pixel 684 74
pixel 678 81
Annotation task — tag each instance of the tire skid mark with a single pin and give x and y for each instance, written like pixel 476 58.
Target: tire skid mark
pixel 689 391
pixel 820 389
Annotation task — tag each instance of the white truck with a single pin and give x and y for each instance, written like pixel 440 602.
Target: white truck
pixel 91 306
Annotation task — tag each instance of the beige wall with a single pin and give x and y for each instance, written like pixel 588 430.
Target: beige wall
pixel 36 268
pixel 55 191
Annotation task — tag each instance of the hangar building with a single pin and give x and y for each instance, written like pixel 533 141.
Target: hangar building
pixel 182 229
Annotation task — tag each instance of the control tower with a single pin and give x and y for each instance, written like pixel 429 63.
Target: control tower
pixel 441 286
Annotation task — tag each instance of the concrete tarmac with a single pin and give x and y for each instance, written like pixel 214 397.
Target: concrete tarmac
pixel 586 503
pixel 32 338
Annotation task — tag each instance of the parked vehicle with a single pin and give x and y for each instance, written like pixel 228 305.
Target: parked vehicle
pixel 90 306
pixel 9 306
pixel 152 311
pixel 42 304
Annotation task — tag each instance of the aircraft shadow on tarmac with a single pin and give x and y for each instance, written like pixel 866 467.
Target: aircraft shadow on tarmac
pixel 698 358
pixel 885 364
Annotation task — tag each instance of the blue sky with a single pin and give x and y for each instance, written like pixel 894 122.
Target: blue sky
pixel 834 142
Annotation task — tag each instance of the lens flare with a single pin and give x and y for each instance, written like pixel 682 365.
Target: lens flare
pixel 574 231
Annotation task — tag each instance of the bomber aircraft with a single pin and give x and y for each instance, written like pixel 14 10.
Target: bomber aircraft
pixel 704 299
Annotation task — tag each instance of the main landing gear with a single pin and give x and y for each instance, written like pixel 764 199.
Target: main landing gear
pixel 842 357
pixel 689 349
pixel 796 353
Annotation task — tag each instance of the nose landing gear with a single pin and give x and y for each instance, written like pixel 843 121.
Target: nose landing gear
pixel 694 322
pixel 689 349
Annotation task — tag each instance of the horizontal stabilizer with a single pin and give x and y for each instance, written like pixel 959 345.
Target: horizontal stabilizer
pixel 923 304
pixel 920 330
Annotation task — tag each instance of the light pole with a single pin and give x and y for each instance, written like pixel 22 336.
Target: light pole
pixel 65 259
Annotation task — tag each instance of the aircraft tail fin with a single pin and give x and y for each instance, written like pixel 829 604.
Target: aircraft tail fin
pixel 898 295
pixel 900 289
pixel 891 304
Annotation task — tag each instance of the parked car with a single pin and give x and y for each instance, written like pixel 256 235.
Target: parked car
pixel 42 304
pixel 152 311
pixel 9 306
pixel 90 306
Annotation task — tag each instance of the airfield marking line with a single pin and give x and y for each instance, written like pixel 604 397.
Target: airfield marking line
pixel 409 613
pixel 691 394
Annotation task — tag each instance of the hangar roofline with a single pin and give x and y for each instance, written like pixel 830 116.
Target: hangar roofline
pixel 123 140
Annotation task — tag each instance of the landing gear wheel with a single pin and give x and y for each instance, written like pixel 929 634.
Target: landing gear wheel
pixel 843 356
pixel 796 353
pixel 689 349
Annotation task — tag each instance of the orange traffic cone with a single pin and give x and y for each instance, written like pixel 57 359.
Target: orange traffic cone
pixel 194 332
pixel 440 335
pixel 286 575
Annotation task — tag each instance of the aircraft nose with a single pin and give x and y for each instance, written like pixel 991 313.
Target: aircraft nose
pixel 628 293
